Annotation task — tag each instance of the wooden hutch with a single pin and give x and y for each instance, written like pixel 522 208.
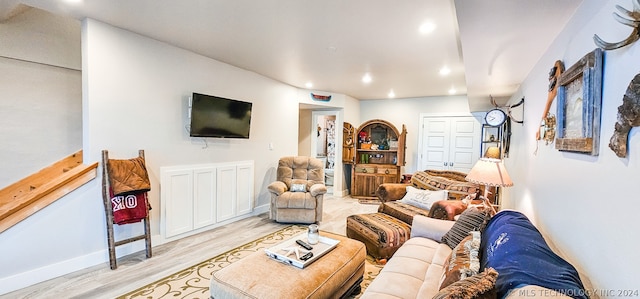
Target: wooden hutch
pixel 376 152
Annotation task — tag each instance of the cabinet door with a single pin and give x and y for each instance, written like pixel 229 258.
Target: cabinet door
pixel 402 147
pixel 365 185
pixel 226 204
pixel 177 189
pixel 204 197
pixel 348 144
pixel 244 189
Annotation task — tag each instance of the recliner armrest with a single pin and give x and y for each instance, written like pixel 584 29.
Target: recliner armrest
pixel 430 228
pixel 317 189
pixel 277 188
pixel 391 191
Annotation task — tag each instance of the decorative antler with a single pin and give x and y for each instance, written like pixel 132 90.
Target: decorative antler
pixel 633 22
pixel 493 102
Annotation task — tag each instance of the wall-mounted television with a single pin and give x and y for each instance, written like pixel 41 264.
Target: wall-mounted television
pixel 219 117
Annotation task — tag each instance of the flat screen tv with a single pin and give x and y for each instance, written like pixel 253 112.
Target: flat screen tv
pixel 213 116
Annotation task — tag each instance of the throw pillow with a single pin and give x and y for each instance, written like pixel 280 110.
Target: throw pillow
pixel 298 188
pixel 480 285
pixel 463 261
pixel 470 220
pixel 422 198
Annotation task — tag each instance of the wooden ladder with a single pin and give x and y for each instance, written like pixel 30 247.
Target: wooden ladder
pixel 108 209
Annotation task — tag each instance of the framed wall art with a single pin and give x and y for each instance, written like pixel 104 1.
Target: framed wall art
pixel 579 106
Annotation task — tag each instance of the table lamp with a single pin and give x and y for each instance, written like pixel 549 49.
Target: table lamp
pixel 491 173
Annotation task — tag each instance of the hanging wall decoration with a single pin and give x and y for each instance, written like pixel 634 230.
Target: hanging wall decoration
pixel 317 97
pixel 547 130
pixel 579 106
pixel 633 22
pixel 628 117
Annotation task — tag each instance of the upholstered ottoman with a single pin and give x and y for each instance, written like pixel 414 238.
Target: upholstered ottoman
pixel 382 234
pixel 336 274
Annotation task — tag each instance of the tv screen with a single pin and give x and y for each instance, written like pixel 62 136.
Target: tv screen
pixel 213 116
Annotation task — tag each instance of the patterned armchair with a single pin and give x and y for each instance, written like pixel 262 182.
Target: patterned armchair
pixel 296 195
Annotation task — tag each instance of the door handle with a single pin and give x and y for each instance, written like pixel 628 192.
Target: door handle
pixel 446 164
pixel 451 164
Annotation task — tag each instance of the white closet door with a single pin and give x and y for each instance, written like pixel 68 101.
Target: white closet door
pixel 449 143
pixel 435 140
pixel 464 146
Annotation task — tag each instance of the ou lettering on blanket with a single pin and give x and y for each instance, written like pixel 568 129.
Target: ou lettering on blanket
pixel 130 208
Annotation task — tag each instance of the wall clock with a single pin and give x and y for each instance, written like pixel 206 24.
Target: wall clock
pixel 495 117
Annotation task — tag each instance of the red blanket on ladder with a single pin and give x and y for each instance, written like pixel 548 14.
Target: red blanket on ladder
pixel 128 208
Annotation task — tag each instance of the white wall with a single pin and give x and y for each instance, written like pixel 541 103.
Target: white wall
pixel 584 205
pixel 40 90
pixel 407 112
pixel 134 96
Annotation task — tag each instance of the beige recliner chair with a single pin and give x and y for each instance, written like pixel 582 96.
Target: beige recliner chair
pixel 296 196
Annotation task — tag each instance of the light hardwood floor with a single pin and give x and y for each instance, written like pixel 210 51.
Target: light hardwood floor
pixel 135 270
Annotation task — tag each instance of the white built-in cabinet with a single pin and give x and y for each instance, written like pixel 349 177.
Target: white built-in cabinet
pixel 449 143
pixel 196 196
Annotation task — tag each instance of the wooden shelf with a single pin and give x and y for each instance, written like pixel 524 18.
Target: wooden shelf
pixel 31 194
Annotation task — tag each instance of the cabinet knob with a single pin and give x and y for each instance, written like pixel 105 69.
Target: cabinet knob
pixel 451 164
pixel 446 164
pixel 386 171
pixel 364 170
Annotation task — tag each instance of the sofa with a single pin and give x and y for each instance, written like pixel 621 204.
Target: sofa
pixel 431 193
pixel 391 195
pixel 503 256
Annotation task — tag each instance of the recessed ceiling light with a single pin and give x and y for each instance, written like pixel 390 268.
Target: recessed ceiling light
pixel 445 71
pixel 427 27
pixel 391 94
pixel 308 84
pixel 452 90
pixel 366 78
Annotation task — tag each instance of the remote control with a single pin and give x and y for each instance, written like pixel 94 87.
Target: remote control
pixel 307 256
pixel 304 245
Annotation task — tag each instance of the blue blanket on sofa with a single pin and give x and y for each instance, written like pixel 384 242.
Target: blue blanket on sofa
pixel 516 249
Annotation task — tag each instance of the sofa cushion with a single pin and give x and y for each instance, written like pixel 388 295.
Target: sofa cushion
pixel 430 228
pixel 516 249
pixel 414 271
pixel 480 285
pixel 463 261
pixel 470 220
pixel 422 198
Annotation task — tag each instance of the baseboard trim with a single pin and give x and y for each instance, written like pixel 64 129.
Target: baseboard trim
pixel 31 277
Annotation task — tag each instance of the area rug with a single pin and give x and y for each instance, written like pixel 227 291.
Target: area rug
pixel 193 282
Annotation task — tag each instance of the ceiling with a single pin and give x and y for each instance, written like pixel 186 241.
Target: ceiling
pixel 488 46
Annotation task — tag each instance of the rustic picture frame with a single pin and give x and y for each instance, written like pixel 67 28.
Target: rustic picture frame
pixel 579 106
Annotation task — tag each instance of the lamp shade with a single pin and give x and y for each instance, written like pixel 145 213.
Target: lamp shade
pixel 491 172
pixel 492 152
